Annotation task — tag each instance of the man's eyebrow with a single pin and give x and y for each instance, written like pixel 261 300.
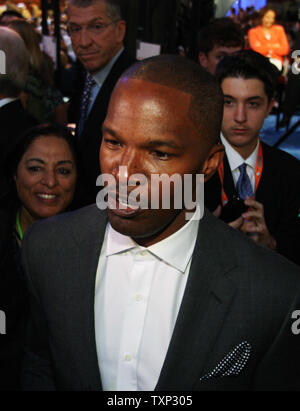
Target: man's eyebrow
pixel 248 99
pixel 255 98
pixel 151 143
pixel 110 131
pixel 90 22
pixel 165 143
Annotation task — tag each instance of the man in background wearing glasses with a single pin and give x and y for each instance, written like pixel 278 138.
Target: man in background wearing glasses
pixel 97 31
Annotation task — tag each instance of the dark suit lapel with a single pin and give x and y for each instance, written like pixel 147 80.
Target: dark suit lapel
pixel 100 106
pixel 229 186
pixel 206 300
pixel 82 328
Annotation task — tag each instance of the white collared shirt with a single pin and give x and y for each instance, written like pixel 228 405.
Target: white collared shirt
pixel 137 298
pixel 235 160
pixel 7 100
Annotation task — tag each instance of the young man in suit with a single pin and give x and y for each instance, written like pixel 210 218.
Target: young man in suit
pixel 146 300
pixel 272 176
pixel 97 31
pixel 221 37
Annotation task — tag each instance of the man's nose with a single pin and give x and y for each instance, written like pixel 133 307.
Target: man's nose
pixel 240 114
pixel 127 165
pixel 84 38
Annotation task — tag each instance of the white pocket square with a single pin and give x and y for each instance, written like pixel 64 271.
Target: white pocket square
pixel 232 364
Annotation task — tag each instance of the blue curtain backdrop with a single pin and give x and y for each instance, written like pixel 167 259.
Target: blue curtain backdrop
pixel 224 6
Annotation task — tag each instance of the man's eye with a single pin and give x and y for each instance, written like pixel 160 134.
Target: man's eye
pixel 74 29
pixel 113 143
pixel 228 102
pixel 97 26
pixel 162 155
pixel 253 104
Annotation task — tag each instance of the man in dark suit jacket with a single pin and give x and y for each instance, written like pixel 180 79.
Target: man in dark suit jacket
pixel 273 218
pixel 13 118
pixel 97 31
pixel 151 301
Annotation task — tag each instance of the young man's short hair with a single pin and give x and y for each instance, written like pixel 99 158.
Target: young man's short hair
pixel 220 32
pixel 248 64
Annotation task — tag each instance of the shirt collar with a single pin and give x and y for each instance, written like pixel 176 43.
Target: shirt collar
pixel 175 250
pixel 235 159
pixel 101 76
pixel 7 100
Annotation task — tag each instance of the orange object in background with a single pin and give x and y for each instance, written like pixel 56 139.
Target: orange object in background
pixel 269 39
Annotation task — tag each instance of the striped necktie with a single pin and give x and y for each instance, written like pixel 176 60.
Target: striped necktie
pixel 89 83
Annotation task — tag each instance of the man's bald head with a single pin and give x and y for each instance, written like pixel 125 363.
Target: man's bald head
pixel 16 63
pixel 206 108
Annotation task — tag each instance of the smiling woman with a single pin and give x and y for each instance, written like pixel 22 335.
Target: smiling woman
pixel 42 175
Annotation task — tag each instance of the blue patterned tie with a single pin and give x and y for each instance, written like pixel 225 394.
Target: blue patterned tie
pixel 243 185
pixel 89 83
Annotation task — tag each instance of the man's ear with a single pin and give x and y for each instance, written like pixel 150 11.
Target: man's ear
pixel 270 106
pixel 213 160
pixel 202 58
pixel 121 30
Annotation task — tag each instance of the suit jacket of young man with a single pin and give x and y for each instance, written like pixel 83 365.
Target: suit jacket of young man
pixel 239 298
pixel 279 193
pixel 90 139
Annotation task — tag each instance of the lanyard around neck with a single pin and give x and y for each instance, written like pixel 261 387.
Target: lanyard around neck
pixel 18 226
pixel 258 174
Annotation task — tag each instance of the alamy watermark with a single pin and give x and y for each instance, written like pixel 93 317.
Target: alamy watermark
pixel 2 62
pixel 2 323
pixel 188 192
pixel 296 324
pixel 296 64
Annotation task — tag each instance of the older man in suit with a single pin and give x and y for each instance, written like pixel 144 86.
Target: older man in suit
pixel 14 120
pixel 97 31
pixel 140 298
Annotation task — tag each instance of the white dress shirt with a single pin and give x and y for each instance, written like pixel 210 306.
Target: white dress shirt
pixel 137 298
pixel 235 160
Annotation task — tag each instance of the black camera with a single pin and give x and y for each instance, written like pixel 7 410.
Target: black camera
pixel 233 209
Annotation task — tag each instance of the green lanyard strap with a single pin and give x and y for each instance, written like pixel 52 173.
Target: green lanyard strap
pixel 18 226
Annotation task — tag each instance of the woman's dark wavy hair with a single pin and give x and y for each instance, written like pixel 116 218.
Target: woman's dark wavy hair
pixel 265 10
pixel 9 197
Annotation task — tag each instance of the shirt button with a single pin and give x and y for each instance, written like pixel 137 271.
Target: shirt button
pixel 143 253
pixel 128 357
pixel 138 297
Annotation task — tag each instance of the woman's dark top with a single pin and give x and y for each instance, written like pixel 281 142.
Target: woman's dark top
pixel 13 303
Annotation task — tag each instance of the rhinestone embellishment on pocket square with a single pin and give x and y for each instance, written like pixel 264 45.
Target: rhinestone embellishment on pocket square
pixel 232 364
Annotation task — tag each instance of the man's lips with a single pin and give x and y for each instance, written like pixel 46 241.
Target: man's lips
pixel 87 55
pixel 121 208
pixel 240 130
pixel 120 205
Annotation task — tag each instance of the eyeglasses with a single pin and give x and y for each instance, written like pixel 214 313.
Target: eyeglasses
pixel 94 28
